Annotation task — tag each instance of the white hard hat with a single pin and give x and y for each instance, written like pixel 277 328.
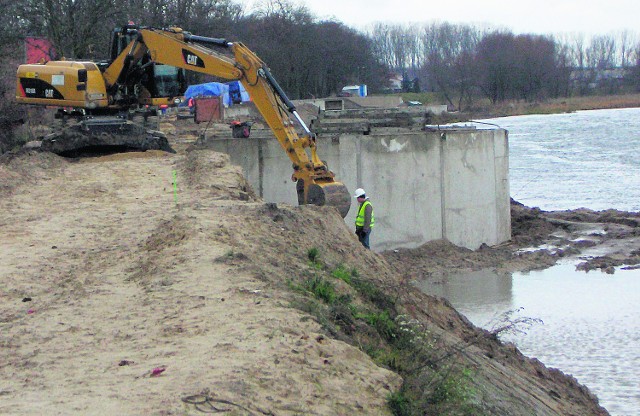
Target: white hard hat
pixel 359 192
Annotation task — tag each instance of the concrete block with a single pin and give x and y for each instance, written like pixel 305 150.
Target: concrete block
pixel 450 184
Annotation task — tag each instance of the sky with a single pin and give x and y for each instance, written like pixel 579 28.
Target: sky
pixel 590 17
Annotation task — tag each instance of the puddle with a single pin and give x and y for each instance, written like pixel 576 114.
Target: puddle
pixel 590 329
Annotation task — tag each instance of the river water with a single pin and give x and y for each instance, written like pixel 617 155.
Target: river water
pixel 586 324
pixel 584 159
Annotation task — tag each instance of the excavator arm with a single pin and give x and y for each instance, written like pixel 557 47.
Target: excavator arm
pixel 316 184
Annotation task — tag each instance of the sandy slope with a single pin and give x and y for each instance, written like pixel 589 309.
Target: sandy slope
pixel 123 280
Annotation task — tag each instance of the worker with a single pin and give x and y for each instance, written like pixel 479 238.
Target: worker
pixel 364 219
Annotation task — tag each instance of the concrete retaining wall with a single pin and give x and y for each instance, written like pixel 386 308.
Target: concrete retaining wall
pixel 450 184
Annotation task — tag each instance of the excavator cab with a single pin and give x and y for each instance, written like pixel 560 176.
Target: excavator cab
pixel 161 83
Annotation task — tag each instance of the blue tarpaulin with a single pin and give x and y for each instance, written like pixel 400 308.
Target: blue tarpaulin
pixel 237 92
pixel 216 89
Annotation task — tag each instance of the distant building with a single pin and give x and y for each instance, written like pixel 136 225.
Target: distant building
pixel 598 78
pixel 354 91
pixel 38 50
pixel 395 82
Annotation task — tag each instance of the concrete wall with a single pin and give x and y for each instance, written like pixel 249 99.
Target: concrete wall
pixel 449 184
pixel 378 101
pixel 371 102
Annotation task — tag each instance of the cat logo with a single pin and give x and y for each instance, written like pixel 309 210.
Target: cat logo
pixel 192 59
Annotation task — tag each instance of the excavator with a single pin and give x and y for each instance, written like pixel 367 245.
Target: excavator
pixel 146 69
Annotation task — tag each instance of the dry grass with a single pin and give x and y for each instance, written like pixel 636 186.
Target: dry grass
pixel 483 108
pixel 563 105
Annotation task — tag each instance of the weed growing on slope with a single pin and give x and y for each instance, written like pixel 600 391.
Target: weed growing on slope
pixel 399 403
pixel 508 323
pixel 342 273
pixel 320 288
pixel 313 254
pixel 361 312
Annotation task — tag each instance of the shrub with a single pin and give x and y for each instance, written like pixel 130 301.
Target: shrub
pixel 321 289
pixel 382 322
pixel 399 404
pixel 313 253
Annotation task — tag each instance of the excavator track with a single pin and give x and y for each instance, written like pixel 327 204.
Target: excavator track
pixel 104 136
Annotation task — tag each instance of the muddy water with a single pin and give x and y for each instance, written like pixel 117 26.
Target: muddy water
pixel 591 321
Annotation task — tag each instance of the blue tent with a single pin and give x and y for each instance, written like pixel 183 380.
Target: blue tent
pixel 217 89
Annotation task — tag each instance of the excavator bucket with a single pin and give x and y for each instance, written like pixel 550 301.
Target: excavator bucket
pixel 334 194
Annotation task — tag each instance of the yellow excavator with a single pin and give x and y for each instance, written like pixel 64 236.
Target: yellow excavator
pixel 146 69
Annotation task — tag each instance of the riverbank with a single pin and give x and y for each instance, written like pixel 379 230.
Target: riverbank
pixel 481 109
pixel 557 105
pixel 126 297
pixel 600 240
pixel 574 272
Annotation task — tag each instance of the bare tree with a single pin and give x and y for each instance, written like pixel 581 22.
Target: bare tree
pixel 379 34
pixel 496 66
pixel 635 70
pixel 398 47
pixel 12 30
pixel 601 52
pixel 536 66
pixel 309 58
pixel 77 28
pixel 561 83
pixel 449 52
pixel 584 75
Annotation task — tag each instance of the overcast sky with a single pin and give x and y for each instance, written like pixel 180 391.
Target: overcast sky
pixel 520 16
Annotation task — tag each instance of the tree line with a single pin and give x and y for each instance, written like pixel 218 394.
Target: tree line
pixel 312 57
pixel 309 57
pixel 463 61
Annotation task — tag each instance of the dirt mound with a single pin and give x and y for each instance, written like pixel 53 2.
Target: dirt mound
pixel 529 226
pixel 575 232
pixel 211 173
pixel 585 215
pixel 122 299
pixel 437 259
pixel 27 166
pixel 539 239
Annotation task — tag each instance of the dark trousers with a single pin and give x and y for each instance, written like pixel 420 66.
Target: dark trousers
pixel 364 238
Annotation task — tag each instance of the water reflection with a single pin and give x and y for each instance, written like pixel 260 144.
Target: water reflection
pixel 591 321
pixel 484 292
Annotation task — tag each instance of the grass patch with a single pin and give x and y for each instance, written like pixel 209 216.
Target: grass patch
pixel 342 273
pixel 382 322
pixel 365 314
pixel 372 293
pixel 322 289
pixel 454 394
pixel 313 254
pixel 424 97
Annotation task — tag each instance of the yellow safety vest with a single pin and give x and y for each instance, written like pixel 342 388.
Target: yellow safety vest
pixel 360 217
